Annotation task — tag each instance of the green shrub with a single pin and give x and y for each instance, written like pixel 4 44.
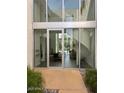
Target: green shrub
pixel 34 82
pixel 91 80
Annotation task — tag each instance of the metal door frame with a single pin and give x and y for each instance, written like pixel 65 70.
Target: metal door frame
pixel 48 61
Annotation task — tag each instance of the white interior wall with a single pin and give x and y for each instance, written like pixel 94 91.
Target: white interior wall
pixel 85 37
pixel 84 43
pixel 40 46
pixel 92 49
pixel 88 52
pixel 76 38
pixel 85 10
pixel 91 12
pixel 43 43
pixel 87 45
pixel 57 43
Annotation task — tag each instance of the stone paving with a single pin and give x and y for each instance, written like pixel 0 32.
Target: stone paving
pixel 66 80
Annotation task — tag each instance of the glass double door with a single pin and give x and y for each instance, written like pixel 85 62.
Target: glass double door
pixel 63 48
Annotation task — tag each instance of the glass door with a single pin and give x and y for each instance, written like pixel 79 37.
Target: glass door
pixel 71 48
pixel 55 49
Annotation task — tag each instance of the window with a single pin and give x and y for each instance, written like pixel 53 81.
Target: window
pixel 87 10
pixel 39 11
pixel 54 10
pixel 71 10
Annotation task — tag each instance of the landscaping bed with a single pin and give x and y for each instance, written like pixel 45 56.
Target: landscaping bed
pixel 90 79
pixel 35 82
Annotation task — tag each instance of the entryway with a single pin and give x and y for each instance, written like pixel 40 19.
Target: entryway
pixel 55 53
pixel 63 48
pixel 56 48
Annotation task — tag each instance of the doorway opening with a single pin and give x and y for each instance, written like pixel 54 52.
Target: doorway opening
pixel 55 48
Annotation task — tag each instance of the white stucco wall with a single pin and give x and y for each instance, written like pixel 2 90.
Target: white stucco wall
pixel 30 57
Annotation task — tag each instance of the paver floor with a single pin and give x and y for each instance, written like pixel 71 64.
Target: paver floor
pixel 66 80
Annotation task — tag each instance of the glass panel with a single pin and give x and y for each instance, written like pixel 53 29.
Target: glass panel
pixel 54 10
pixel 39 13
pixel 71 10
pixel 87 10
pixel 87 48
pixel 40 46
pixel 71 48
pixel 55 48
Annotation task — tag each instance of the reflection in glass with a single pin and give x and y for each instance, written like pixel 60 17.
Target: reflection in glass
pixel 40 45
pixel 39 11
pixel 71 10
pixel 87 48
pixel 55 48
pixel 71 48
pixel 54 10
pixel 87 10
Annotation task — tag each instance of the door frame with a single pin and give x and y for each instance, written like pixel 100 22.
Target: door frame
pixel 48 61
